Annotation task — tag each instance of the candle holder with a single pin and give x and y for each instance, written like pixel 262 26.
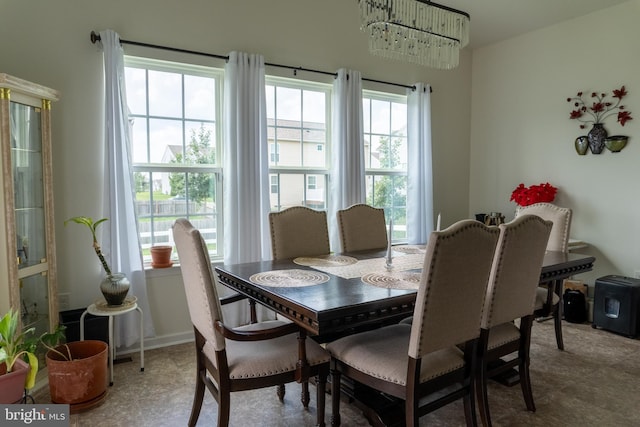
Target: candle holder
pixel 389 261
pixel 389 257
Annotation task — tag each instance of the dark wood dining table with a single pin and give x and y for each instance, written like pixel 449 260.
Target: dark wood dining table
pixel 341 304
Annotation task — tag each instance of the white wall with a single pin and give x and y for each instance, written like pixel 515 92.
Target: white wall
pixel 521 132
pixel 48 42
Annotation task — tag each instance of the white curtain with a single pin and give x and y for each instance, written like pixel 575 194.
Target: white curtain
pixel 419 165
pixel 246 166
pixel 347 149
pixel 120 233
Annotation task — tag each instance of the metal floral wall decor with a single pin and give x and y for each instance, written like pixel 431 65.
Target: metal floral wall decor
pixel 594 111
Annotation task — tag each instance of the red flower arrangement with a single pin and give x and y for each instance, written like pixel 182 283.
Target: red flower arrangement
pixel 525 196
pixel 600 109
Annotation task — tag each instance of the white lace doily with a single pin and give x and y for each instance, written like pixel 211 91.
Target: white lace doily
pixel 325 261
pixel 393 280
pixel 289 278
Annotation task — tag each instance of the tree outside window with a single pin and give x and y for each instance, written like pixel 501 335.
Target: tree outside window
pixel 198 152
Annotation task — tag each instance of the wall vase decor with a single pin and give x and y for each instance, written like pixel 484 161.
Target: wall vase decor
pixel 616 143
pixel 582 145
pixel 594 111
pixel 596 137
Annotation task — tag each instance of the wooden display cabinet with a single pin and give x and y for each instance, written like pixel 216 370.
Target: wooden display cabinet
pixel 27 240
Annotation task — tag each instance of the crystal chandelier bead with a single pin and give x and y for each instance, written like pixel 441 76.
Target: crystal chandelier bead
pixel 416 31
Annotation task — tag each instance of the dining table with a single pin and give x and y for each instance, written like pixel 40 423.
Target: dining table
pixel 333 295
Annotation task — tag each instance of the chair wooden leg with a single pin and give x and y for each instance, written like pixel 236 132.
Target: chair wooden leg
pixel 411 415
pixel 224 408
pixel 470 408
pixel 197 398
pixel 304 395
pixel 280 390
pixel 525 384
pixel 557 323
pixel 335 396
pixel 321 382
pixel 483 397
pixel 523 366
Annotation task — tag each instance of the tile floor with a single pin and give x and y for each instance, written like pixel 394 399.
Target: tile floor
pixel 594 382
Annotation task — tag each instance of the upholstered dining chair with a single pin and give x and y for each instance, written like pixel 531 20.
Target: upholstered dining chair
pixel 511 296
pixel 249 357
pixel 549 299
pixel 412 361
pixel 362 227
pixel 297 232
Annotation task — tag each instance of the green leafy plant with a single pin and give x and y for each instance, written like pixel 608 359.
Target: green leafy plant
pixel 16 343
pixel 52 339
pixel 93 226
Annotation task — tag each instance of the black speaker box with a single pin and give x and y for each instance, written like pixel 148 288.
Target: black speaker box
pixel 616 304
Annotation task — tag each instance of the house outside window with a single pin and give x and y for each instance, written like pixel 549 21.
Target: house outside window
pixel 297 123
pixel 175 117
pixel 385 140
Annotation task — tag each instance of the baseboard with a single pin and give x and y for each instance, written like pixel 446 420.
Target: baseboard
pixel 158 342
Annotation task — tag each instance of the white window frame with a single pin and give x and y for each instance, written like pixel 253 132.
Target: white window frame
pixel 195 70
pixel 277 171
pixel 371 173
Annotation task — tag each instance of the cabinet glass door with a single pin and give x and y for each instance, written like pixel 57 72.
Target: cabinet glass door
pixel 31 247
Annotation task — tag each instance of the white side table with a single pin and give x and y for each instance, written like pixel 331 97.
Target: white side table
pixel 101 308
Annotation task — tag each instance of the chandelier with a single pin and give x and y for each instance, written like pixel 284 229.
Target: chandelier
pixel 416 31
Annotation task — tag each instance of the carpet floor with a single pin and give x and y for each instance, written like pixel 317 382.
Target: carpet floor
pixel 594 382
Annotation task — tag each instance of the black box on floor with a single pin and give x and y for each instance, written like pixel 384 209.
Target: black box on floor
pixel 95 327
pixel 616 304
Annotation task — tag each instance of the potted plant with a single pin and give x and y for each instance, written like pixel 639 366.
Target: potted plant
pixel 77 370
pixel 15 374
pixel 161 256
pixel 115 286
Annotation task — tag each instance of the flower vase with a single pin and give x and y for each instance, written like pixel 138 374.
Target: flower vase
pixel 596 137
pixel 582 145
pixel 114 288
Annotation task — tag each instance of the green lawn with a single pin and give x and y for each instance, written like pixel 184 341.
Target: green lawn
pixel 144 196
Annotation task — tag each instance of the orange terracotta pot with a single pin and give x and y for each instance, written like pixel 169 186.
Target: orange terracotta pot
pixel 81 382
pixel 161 256
pixel 12 383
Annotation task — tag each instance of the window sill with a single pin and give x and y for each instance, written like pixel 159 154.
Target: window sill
pixel 151 272
pixel 174 270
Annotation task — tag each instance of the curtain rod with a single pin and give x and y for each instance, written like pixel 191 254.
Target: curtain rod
pixel 95 37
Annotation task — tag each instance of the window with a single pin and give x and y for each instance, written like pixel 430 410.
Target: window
pixel 311 182
pixel 175 115
pixel 273 153
pixel 297 118
pixel 176 148
pixel 385 148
